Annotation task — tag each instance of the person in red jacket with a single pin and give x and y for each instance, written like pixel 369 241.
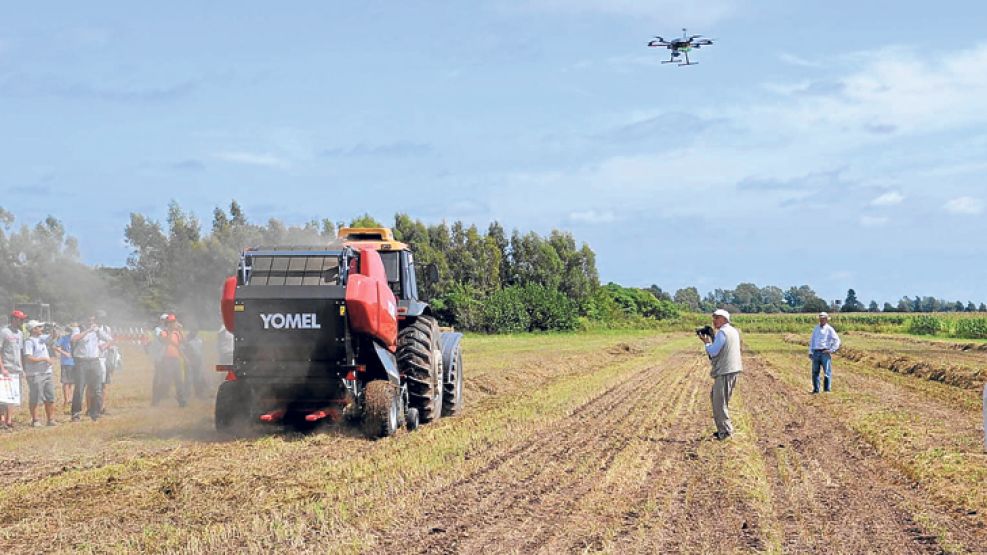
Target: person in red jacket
pixel 172 340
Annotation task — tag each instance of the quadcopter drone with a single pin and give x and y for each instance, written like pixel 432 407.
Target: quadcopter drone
pixel 681 46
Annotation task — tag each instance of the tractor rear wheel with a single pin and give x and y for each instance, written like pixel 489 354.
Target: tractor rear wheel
pixel 234 404
pixel 420 361
pixel 452 398
pixel 381 408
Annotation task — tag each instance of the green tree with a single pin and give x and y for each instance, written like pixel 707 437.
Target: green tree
pixel 796 297
pixel 688 297
pixel 366 220
pixel 872 307
pixel 851 304
pixel 815 304
pixel 772 299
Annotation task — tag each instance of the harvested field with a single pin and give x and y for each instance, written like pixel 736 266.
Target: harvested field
pixel 568 443
pixel 960 365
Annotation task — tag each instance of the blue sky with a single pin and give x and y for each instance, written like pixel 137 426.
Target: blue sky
pixel 839 144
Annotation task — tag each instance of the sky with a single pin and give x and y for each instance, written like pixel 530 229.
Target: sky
pixel 836 144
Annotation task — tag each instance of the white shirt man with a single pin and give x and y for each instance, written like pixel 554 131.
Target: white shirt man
pixel 823 343
pixel 726 366
pixel 86 353
pixel 824 337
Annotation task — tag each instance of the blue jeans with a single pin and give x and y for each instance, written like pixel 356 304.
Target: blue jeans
pixel 821 360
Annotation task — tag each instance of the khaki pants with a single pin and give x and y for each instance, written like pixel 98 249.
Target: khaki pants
pixel 719 396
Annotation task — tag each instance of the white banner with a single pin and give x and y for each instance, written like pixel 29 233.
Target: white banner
pixel 10 390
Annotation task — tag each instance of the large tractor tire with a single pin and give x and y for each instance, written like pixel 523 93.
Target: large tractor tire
pixel 234 405
pixel 420 360
pixel 452 397
pixel 381 409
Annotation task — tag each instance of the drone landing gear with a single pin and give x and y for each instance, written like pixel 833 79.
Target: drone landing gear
pixel 687 62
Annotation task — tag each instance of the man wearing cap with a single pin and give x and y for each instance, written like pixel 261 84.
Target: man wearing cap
pixel 822 345
pixel 11 353
pixel 39 374
pixel 171 363
pixel 724 357
pixel 88 369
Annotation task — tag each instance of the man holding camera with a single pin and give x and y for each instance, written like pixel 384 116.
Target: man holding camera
pixel 88 368
pixel 723 348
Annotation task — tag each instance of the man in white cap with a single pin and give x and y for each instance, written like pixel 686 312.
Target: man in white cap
pixel 39 374
pixel 724 357
pixel 822 345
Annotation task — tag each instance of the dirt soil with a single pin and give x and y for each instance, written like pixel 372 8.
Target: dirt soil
pixel 633 471
pixel 568 444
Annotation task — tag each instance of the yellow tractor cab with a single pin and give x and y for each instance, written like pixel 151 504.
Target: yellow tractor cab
pixel 379 238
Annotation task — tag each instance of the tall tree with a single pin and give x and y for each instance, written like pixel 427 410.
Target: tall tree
pixel 851 304
pixel 688 297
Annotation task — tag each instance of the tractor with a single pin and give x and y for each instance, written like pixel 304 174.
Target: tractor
pixel 332 332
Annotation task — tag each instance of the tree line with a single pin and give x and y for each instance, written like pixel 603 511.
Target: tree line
pixel 490 280
pixel 751 299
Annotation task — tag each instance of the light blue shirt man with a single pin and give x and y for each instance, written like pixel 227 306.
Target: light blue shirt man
pixel 823 343
pixel 824 337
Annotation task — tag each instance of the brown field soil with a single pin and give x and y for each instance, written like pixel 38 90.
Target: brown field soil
pixel 568 444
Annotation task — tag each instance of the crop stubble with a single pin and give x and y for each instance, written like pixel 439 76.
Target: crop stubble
pixel 601 445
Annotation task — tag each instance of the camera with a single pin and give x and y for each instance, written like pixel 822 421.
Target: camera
pixel 706 331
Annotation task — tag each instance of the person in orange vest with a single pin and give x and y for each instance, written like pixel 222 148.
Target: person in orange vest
pixel 172 340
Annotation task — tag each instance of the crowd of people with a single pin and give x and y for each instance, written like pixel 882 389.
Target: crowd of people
pixel 88 355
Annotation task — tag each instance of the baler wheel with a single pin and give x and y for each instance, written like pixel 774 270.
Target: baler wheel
pixel 381 408
pixel 420 361
pixel 452 398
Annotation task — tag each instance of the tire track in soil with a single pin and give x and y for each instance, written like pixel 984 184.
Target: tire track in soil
pixel 832 491
pixel 542 493
pixel 685 504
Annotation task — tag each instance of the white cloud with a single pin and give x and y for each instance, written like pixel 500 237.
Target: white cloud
pixel 794 60
pixel 874 221
pixel 592 216
pixel 964 205
pixel 895 89
pixel 253 159
pixel 888 199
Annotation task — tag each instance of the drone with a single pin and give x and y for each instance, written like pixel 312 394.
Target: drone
pixel 681 46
